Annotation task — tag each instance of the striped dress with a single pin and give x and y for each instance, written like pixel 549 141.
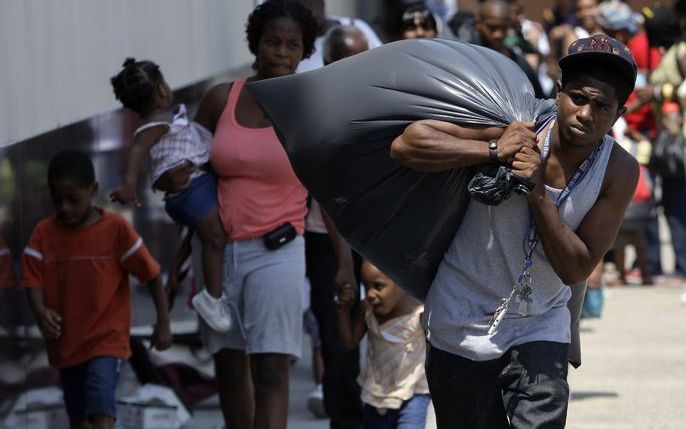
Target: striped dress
pixel 396 351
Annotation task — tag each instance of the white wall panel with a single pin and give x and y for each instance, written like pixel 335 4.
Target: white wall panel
pixel 340 8
pixel 58 55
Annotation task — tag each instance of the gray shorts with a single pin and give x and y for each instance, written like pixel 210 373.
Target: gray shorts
pixel 263 289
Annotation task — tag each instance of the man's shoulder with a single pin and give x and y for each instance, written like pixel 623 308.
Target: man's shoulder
pixel 621 169
pixel 620 156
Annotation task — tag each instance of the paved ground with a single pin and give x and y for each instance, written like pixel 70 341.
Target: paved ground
pixel 634 362
pixel 299 418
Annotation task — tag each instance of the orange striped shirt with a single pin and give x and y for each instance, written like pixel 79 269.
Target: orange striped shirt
pixel 84 274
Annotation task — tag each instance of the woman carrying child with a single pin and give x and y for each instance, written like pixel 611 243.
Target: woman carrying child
pixel 262 205
pixel 394 387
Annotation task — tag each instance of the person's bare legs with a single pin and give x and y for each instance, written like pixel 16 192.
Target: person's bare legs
pixel 317 366
pixel 213 239
pixel 595 280
pixel 270 378
pixel 619 261
pixel 646 277
pixel 102 421
pixel 235 388
pixel 84 424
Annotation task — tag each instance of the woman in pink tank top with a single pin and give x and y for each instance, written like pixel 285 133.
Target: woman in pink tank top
pixel 259 196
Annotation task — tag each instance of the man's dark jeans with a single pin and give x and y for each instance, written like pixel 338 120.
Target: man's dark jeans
pixel 525 388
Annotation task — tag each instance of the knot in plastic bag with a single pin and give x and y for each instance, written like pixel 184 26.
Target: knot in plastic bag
pixel 494 184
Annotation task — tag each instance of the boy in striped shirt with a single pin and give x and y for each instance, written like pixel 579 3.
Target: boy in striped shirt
pixel 76 266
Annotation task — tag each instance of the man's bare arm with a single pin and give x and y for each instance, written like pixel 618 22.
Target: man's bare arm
pixel 430 145
pixel 574 255
pixel 345 273
pixel 350 317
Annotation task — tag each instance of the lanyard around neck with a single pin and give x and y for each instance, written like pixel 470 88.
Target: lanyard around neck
pixel 522 288
pixel 532 239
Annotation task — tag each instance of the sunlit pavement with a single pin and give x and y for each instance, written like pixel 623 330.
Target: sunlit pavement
pixel 633 373
pixel 208 415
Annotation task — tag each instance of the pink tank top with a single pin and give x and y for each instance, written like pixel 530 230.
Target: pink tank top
pixel 257 189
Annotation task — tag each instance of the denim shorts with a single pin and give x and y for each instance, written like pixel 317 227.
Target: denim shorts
pixel 410 415
pixel 89 388
pixel 192 206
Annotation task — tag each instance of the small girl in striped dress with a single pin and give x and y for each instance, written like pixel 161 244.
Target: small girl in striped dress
pixel 172 141
pixel 394 387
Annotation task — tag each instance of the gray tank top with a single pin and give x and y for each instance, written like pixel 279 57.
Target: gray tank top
pixel 483 263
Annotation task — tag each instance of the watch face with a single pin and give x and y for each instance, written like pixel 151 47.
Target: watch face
pixel 493 151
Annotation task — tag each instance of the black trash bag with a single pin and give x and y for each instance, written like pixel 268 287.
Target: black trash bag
pixel 337 124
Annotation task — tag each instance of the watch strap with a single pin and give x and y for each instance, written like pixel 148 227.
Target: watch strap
pixel 493 151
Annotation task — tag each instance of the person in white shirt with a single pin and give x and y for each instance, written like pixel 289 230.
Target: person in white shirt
pixel 317 7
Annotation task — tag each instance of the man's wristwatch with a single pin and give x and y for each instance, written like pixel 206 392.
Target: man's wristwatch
pixel 493 151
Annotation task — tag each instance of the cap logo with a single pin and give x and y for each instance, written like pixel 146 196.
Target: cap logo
pixel 597 44
pixel 601 44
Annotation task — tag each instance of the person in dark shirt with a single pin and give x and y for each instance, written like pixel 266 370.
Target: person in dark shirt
pixel 493 22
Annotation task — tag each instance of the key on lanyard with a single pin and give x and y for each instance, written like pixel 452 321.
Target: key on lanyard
pixel 522 294
pixel 499 314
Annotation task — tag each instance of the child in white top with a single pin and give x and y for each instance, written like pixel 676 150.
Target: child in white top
pixel 172 141
pixel 394 387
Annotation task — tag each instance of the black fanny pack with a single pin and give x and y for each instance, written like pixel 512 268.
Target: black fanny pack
pixel 280 236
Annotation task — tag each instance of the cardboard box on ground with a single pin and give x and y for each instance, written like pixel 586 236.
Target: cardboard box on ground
pixel 150 407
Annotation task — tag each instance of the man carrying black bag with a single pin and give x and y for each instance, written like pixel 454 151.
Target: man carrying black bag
pixel 496 314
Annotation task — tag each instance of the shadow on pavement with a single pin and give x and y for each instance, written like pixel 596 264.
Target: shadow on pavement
pixel 576 396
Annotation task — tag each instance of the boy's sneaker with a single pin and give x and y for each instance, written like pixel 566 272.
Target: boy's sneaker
pixel 315 402
pixel 213 311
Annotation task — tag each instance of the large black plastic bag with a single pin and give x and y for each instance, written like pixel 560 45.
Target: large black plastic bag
pixel 337 124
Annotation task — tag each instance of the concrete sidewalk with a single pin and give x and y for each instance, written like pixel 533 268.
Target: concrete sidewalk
pixel 208 416
pixel 634 362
